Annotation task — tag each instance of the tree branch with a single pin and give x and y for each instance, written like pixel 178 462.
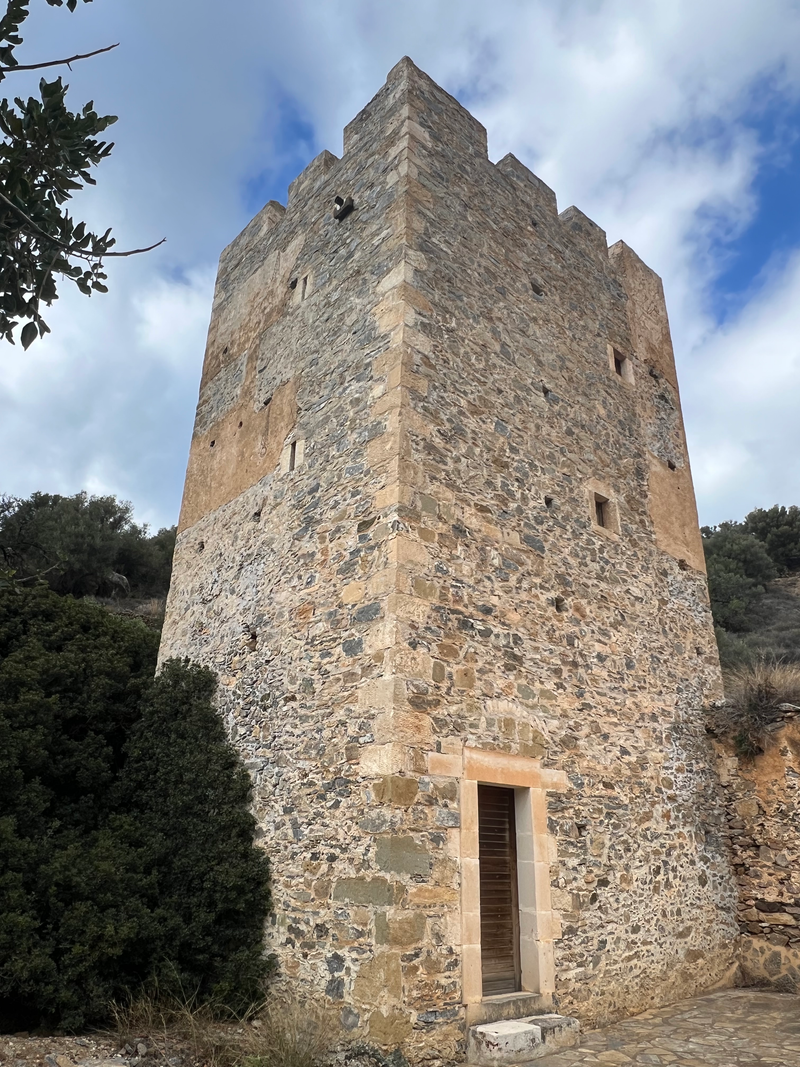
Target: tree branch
pixel 57 62
pixel 79 253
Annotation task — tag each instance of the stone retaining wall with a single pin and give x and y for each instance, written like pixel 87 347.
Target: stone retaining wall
pixel 762 803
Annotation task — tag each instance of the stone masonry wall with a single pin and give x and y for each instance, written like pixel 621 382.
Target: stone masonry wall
pixel 428 580
pixel 762 797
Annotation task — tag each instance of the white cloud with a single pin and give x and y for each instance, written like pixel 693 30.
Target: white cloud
pixel 743 402
pixel 638 111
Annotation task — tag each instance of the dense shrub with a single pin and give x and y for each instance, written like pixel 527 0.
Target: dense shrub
pixel 779 531
pixel 739 569
pixel 84 545
pixel 126 843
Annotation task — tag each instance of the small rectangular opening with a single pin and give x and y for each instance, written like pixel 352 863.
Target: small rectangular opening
pixel 620 364
pixel 600 510
pixel 292 455
pixel 499 901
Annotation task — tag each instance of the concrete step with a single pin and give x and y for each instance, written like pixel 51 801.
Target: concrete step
pixel 510 1042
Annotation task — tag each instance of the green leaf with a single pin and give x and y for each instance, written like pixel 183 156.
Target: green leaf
pixel 29 334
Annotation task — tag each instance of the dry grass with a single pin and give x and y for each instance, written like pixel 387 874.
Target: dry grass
pixel 279 1034
pixel 756 696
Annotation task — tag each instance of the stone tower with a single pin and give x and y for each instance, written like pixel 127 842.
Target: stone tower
pixel 439 542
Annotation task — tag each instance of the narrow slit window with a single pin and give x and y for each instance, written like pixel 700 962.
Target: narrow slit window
pixel 620 364
pixel 601 510
pixel 292 455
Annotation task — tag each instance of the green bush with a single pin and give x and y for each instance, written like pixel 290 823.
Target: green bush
pixel 779 531
pixel 126 842
pixel 739 569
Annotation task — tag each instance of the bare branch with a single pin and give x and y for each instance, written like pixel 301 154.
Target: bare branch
pixel 133 251
pixel 57 62
pixel 71 250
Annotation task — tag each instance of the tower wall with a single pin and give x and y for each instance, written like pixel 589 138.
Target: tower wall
pixel 457 375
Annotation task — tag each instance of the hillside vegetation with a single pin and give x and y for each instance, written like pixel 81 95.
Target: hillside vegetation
pixel 84 545
pixel 754 585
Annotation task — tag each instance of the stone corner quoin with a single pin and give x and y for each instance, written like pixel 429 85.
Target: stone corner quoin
pixel 439 534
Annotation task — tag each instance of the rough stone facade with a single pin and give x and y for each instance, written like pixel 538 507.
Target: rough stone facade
pixel 411 420
pixel 762 796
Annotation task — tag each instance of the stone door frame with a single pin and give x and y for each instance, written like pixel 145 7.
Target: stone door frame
pixel 539 925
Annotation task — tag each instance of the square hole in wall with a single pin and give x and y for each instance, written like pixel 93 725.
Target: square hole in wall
pixel 621 364
pixel 604 512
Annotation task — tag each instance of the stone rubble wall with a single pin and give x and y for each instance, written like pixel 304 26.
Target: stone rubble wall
pixel 527 629
pixel 762 806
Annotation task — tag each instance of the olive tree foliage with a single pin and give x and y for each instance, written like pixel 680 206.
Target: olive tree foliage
pixel 779 530
pixel 46 156
pixel 739 570
pixel 83 545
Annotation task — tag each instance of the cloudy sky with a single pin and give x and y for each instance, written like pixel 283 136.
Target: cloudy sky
pixel 673 124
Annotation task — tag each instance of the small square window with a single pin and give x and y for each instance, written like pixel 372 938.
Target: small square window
pixel 620 364
pixel 604 513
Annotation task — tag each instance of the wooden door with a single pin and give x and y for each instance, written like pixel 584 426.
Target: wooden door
pixel 497 844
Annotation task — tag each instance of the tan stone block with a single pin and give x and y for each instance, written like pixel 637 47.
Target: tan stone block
pixel 464 678
pixel 439 763
pixel 407 608
pixel 401 375
pixel 407 550
pixel 400 929
pixel 382 583
pixel 391 1029
pixel 470 886
pixel 353 592
pixel 425 896
pixel 384 448
pixel 501 768
pixel 396 789
pixel 557 781
pixel 471 974
pixel 391 495
pixel 778 918
pixel 424 589
pixel 383 759
pixel 403 272
pixel 382 973
pixel 382 693
pixel 391 400
pixel 411 728
pixel 470 927
pixel 449 651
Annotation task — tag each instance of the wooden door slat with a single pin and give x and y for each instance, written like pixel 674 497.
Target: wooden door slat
pixel 498 890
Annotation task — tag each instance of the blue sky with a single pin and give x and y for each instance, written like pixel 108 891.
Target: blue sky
pixel 675 125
